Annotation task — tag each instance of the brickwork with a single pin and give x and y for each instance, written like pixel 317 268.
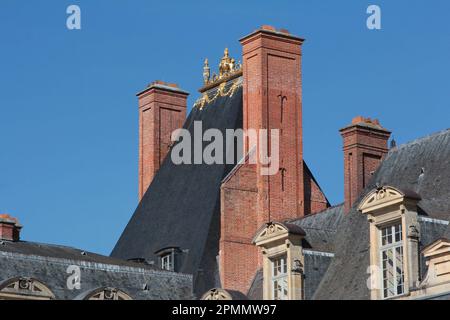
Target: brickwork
pixel 9 228
pixel 272 99
pixel 162 109
pixel 365 146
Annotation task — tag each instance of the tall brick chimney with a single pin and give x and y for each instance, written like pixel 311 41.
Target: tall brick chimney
pixel 365 146
pixel 9 228
pixel 162 109
pixel 273 100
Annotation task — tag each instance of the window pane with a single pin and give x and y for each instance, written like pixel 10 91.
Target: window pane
pixel 167 262
pixel 279 278
pixel 398 233
pixel 392 261
pixel 399 269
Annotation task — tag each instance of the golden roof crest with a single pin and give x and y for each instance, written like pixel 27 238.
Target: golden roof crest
pixel 227 68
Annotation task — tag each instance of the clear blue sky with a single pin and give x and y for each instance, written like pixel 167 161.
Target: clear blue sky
pixel 68 111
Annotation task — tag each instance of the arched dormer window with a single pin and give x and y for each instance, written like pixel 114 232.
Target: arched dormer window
pixel 394 241
pixel 223 294
pixel 217 294
pixel 23 288
pixel 283 260
pixel 107 293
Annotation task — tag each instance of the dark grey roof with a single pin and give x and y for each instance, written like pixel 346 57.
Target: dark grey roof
pixel 256 289
pixel 321 228
pixel 49 263
pixel 316 265
pixel 422 166
pixel 181 208
pixel 64 252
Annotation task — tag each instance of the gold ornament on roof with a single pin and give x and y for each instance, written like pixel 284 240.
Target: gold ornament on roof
pixel 227 67
pixel 221 91
pixel 206 71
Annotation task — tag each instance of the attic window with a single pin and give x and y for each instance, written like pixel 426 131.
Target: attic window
pixel 167 262
pixel 169 258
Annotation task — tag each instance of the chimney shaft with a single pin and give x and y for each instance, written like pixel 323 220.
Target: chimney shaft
pixel 365 146
pixel 9 228
pixel 273 101
pixel 162 109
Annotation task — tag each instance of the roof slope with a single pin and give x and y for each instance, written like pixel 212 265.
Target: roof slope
pixel 321 228
pixel 181 208
pixel 422 166
pixel 48 264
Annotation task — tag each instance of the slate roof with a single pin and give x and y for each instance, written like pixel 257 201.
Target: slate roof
pixel 422 166
pixel 181 208
pixel 49 263
pixel 321 228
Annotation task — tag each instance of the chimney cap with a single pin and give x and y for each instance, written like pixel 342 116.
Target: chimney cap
pixel 272 30
pixel 9 228
pixel 6 218
pixel 361 121
pixel 167 86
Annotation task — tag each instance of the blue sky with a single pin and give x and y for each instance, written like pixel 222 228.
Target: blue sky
pixel 68 111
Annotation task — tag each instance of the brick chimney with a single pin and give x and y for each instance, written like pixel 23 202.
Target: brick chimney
pixel 273 100
pixel 9 228
pixel 162 109
pixel 365 146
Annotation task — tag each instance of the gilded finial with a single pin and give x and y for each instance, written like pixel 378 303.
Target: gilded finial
pixel 227 67
pixel 206 72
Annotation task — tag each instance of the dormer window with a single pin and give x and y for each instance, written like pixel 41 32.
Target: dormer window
pixel 394 241
pixel 391 250
pixel 169 258
pixel 281 245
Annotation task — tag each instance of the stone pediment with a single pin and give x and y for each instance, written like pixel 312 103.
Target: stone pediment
pixel 384 196
pixel 274 231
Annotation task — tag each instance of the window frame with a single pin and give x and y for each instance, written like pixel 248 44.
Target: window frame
pixel 169 259
pixel 283 276
pixel 393 245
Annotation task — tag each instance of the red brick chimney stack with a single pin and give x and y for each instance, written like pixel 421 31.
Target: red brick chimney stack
pixel 273 100
pixel 162 109
pixel 365 146
pixel 9 228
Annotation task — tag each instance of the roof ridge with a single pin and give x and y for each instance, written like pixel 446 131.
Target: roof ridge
pixel 419 140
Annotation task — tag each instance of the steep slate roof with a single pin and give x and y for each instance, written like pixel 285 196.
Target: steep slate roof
pixel 181 208
pixel 321 228
pixel 422 166
pixel 49 263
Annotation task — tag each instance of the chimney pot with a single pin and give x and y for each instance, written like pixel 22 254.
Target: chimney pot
pixel 268 28
pixel 9 228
